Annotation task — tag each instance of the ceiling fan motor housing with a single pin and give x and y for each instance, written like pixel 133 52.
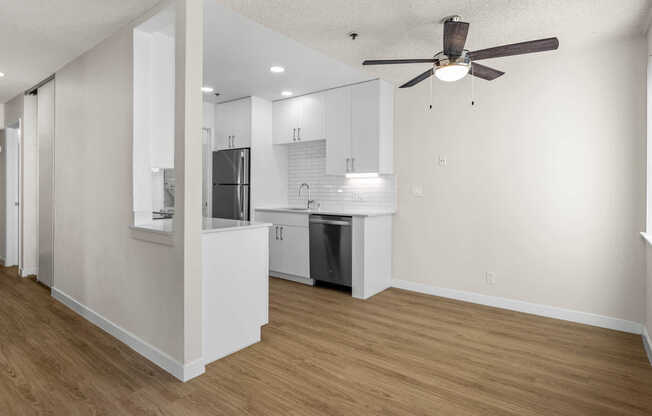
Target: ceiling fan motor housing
pixel 442 60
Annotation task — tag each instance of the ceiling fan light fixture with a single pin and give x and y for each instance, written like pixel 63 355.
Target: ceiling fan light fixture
pixel 452 72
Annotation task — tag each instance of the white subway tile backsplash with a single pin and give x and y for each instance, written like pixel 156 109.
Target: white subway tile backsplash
pixel 307 163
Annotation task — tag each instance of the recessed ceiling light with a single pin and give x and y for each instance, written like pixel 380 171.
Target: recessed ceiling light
pixel 207 89
pixel 286 93
pixel 2 74
pixel 277 69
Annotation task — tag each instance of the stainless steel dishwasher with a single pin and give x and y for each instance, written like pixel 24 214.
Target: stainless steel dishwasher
pixel 330 249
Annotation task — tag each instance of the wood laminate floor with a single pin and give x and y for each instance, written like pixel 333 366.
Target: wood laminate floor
pixel 324 353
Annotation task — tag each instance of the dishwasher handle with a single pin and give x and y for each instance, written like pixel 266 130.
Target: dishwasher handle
pixel 343 222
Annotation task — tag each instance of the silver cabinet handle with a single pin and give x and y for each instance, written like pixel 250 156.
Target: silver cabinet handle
pixel 352 164
pixel 347 165
pixel 281 233
pixel 294 134
pixel 276 228
pixel 299 133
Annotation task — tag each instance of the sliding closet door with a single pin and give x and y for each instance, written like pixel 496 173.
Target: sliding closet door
pixel 46 183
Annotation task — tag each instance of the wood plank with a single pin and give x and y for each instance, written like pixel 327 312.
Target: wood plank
pixel 325 353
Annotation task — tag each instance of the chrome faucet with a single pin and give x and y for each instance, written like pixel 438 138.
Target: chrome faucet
pixel 310 201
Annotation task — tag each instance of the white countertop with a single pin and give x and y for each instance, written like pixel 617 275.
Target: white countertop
pixel 158 226
pixel 361 212
pixel 209 225
pixel 215 225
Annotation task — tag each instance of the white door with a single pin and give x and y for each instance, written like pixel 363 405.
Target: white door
pixel 296 250
pixel 45 125
pixel 365 126
pixel 285 120
pixel 275 249
pixel 337 105
pixel 311 117
pixel 12 256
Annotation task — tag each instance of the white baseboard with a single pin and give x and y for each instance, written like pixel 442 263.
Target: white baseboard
pixel 647 343
pixel 158 357
pixel 29 271
pixel 297 279
pixel 526 307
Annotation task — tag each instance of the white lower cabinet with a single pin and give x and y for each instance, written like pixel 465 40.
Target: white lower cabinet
pixel 289 243
pixel 289 250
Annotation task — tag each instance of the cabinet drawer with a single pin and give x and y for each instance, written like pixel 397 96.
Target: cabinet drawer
pixel 283 218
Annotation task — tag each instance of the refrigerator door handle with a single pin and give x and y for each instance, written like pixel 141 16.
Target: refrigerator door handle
pixel 276 230
pixel 242 167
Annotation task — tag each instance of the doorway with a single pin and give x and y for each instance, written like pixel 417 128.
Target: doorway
pixel 12 193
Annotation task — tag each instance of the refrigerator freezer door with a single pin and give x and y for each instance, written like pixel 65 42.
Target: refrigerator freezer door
pixel 231 167
pixel 231 202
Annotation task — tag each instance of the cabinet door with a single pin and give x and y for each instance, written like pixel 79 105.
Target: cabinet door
pixel 240 112
pixel 296 250
pixel 285 120
pixel 365 126
pixel 223 126
pixel 311 117
pixel 275 249
pixel 337 105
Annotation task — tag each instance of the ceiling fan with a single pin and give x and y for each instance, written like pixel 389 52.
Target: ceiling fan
pixel 454 62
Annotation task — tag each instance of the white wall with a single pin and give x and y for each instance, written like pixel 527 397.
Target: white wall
pixel 3 196
pixel 137 285
pixel 648 320
pixel 269 163
pixel 544 183
pixel 13 109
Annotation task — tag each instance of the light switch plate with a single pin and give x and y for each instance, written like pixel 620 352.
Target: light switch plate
pixel 417 190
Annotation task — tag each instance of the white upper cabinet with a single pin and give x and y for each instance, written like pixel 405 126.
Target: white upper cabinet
pixel 337 103
pixel 311 118
pixel 359 129
pixel 285 118
pixel 233 124
pixel 299 119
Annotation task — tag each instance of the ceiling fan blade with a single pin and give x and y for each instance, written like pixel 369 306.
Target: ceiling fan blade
pixel 485 72
pixel 399 61
pixel 455 37
pixel 418 79
pixel 521 48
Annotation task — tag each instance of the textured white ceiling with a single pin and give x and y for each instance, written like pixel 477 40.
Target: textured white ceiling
pixel 411 28
pixel 37 37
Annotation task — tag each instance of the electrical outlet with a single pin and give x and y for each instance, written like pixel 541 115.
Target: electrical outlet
pixel 443 161
pixel 358 197
pixel 490 277
pixel 417 190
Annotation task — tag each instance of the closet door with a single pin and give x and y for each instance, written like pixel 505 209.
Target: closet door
pixel 45 125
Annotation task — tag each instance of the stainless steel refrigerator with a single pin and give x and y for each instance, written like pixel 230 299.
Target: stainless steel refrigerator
pixel 231 184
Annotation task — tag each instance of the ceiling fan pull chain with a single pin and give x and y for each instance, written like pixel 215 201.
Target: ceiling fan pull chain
pixel 430 94
pixel 472 87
